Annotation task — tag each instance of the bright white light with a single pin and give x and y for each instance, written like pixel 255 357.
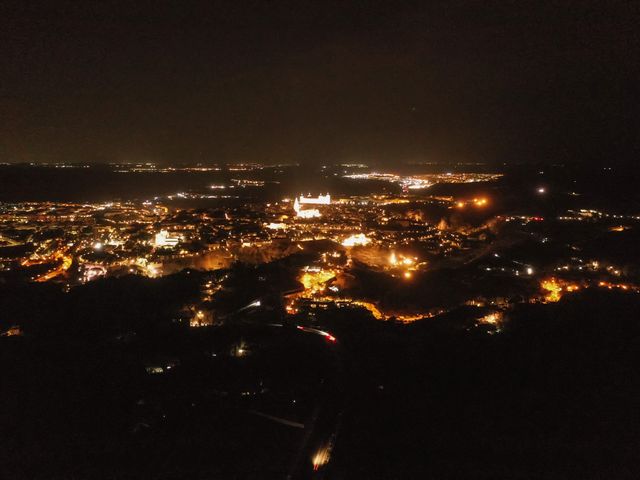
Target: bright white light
pixel 276 226
pixel 309 213
pixel 97 246
pixel 529 271
pixel 358 239
pixel 164 239
pixel 542 190
pixel 319 200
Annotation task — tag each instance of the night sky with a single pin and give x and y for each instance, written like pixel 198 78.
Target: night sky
pixel 319 81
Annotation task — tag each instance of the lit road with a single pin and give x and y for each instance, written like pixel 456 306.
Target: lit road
pixel 323 426
pixel 64 266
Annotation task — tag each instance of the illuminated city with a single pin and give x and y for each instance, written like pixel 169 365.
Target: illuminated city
pixel 345 238
pixel 319 240
pixel 467 251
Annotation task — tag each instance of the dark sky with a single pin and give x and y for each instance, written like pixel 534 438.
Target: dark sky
pixel 319 81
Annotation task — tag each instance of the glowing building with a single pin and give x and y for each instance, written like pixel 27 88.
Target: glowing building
pixel 164 239
pixel 319 200
pixel 355 240
pixel 92 272
pixel 310 212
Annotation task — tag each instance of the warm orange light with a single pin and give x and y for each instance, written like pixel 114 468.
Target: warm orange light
pixel 553 287
pixel 321 457
pixel 556 287
pixel 316 281
pixel 492 318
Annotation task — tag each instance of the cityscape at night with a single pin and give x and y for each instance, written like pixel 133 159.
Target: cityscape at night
pixel 295 312
pixel 319 240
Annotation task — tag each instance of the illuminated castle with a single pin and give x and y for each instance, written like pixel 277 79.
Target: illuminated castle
pixel 319 200
pixel 310 212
